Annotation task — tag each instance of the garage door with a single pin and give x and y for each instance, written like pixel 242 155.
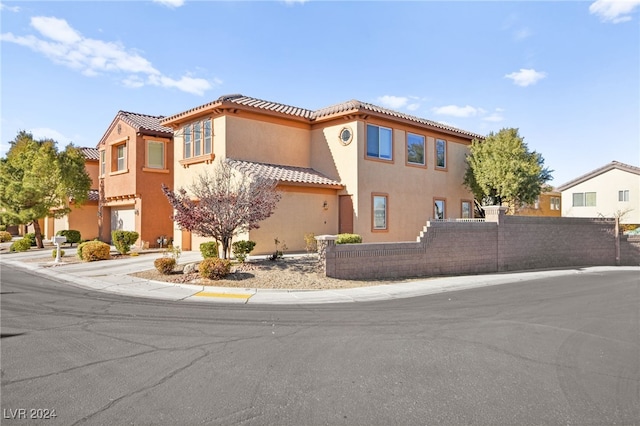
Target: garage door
pixel 123 219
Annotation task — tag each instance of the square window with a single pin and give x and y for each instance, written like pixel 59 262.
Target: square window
pixel 590 199
pixel 379 212
pixel 415 149
pixel 623 195
pixel 379 142
pixel 578 199
pixel 441 153
pixel 155 155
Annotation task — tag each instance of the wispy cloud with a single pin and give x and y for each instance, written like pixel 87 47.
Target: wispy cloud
pixel 495 117
pixel 614 11
pixel 458 111
pixel 522 33
pixel 14 9
pixel 64 45
pixel 393 102
pixel 170 3
pixel 526 77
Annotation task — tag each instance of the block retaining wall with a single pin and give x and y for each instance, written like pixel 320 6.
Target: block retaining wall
pixel 502 243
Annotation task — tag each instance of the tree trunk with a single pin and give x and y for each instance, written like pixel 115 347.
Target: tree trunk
pixel 38 232
pixel 225 247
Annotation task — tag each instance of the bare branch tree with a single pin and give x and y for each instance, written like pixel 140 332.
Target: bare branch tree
pixel 223 203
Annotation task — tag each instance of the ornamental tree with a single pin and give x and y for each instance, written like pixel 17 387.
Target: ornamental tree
pixel 502 170
pixel 37 181
pixel 223 203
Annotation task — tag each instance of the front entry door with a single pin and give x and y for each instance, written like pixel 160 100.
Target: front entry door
pixel 345 215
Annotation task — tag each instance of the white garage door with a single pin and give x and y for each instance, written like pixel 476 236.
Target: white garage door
pixel 123 219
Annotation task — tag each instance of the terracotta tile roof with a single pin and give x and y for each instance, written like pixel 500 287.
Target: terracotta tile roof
pixel 337 109
pixel 143 122
pixel 612 165
pixel 90 153
pixel 299 175
pixel 355 105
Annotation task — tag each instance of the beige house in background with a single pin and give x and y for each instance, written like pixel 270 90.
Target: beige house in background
pixel 349 168
pixel 548 204
pixel 605 192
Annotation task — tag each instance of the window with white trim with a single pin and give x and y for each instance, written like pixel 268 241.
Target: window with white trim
pixel 584 199
pixel 623 195
pixel 103 163
pixel 155 155
pixel 198 139
pixel 555 203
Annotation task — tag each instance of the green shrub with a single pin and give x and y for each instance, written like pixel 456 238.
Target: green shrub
pixel 23 244
pixel 123 240
pixel 214 268
pixel 72 235
pixel 54 254
pixel 94 250
pixel 5 236
pixel 209 249
pixel 242 248
pixel 349 239
pixel 165 265
pixel 3 227
pixel 31 236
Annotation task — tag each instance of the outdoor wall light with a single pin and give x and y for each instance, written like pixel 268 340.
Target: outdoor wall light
pixel 137 212
pixel 325 205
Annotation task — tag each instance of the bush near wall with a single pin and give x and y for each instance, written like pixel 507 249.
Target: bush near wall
pixel 72 235
pixel 5 236
pixel 349 239
pixel 31 236
pixel 242 248
pixel 123 240
pixel 94 250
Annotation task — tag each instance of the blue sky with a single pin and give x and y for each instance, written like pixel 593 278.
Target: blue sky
pixel 567 74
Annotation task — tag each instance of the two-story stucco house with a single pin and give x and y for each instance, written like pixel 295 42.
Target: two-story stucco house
pixel 81 218
pixel 608 191
pixel 352 167
pixel 547 204
pixel 135 159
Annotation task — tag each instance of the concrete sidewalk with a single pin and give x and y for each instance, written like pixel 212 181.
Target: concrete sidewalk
pixel 113 277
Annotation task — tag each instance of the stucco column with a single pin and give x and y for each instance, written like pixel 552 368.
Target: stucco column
pixel 326 254
pixel 495 213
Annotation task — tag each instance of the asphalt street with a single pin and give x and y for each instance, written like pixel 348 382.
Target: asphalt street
pixel 554 350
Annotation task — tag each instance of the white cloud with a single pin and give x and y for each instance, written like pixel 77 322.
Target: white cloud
pixel 14 9
pixel 457 111
pixel 614 11
pixel 170 3
pixel 526 77
pixel 393 102
pixel 66 46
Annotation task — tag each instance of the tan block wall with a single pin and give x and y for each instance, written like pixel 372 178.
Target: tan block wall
pixel 509 244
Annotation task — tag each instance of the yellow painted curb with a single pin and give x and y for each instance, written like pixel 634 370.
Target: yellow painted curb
pixel 226 295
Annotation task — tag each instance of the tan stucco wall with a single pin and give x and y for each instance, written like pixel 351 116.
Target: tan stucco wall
pixel 84 219
pixel 606 187
pixel 543 207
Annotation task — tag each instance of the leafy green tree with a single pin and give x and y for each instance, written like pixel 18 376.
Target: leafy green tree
pixel 35 179
pixel 501 170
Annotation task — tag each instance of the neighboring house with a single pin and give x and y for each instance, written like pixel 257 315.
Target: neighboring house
pixel 549 203
pixel 82 218
pixel 136 158
pixel 609 191
pixel 349 168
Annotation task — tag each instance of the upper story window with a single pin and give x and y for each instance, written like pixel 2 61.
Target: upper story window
pixel 198 138
pixel 441 154
pixel 623 195
pixel 415 149
pixel 120 163
pixel 155 155
pixel 584 199
pixel 379 142
pixel 555 203
pixel 103 163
